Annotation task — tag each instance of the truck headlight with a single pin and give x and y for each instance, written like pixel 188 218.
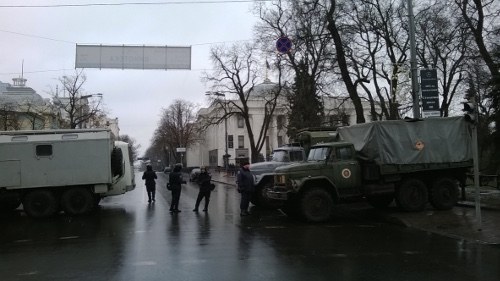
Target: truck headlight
pixel 280 179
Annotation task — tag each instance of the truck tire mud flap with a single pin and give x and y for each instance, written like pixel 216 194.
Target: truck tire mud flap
pixel 444 193
pixel 77 201
pixel 381 201
pixel 411 195
pixel 40 203
pixel 316 205
pixel 9 201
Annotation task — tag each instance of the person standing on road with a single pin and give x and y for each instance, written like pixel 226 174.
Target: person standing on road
pixel 150 176
pixel 175 181
pixel 245 184
pixel 205 185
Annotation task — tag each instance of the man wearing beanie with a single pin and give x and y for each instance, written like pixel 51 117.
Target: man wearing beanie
pixel 245 183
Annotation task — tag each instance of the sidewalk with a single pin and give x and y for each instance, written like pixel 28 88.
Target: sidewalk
pixel 460 222
pixel 223 177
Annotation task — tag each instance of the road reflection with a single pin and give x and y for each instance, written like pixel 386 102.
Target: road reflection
pixel 129 239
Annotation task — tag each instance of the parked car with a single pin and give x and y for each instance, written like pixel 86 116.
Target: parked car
pixel 193 175
pixel 167 170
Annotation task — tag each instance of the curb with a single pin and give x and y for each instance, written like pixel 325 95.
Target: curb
pixel 473 205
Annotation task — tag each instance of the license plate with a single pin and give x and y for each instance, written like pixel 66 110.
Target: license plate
pixel 277 195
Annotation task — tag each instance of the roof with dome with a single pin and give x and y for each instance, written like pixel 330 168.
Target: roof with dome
pixel 19 93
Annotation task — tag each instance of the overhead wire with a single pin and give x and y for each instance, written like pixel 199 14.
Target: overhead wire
pixel 133 3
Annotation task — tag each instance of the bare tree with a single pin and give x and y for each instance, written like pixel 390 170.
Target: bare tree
pixel 36 114
pixel 9 117
pixel 310 60
pixel 336 30
pixel 176 128
pixel 235 73
pixel 133 147
pixel 78 108
pixel 376 41
pixel 443 46
pixel 481 18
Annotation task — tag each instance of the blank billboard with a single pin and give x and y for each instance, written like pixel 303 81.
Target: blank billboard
pixel 132 57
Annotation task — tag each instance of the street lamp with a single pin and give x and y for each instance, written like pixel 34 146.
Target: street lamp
pixel 226 155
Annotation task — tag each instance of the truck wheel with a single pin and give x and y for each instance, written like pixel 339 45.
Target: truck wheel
pixel 117 162
pixel 316 205
pixel 444 193
pixel 411 195
pixel 77 201
pixel 40 204
pixel 380 201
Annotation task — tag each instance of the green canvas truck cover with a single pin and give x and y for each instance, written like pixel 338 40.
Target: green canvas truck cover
pixel 431 140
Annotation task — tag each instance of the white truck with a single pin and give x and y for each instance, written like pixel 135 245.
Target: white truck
pixel 70 170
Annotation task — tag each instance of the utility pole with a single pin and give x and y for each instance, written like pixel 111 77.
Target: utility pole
pixel 472 116
pixel 413 62
pixel 225 157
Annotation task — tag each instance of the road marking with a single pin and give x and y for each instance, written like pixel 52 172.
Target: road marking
pixel 23 241
pixel 28 273
pixel 143 263
pixel 68 237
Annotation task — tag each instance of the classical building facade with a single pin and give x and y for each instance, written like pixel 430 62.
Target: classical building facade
pixel 211 149
pixel 21 108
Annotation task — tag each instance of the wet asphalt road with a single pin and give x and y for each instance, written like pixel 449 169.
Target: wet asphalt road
pixel 127 239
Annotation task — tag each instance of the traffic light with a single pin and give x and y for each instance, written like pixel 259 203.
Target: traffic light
pixel 470 112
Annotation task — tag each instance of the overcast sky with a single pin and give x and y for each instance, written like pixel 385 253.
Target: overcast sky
pixel 46 37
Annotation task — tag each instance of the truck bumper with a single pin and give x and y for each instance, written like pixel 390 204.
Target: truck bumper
pixel 277 195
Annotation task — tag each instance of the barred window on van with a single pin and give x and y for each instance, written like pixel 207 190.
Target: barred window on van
pixel 44 150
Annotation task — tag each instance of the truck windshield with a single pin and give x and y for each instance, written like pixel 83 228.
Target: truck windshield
pixel 287 156
pixel 318 154
pixel 280 156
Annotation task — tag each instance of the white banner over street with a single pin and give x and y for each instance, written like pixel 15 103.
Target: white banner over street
pixel 132 57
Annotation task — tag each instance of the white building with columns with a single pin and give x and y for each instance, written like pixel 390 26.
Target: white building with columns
pixel 211 148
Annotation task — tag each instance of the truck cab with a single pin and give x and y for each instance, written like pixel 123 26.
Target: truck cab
pixel 263 172
pixel 331 172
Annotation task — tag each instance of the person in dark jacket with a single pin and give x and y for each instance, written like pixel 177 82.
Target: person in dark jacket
pixel 175 180
pixel 245 183
pixel 150 176
pixel 205 185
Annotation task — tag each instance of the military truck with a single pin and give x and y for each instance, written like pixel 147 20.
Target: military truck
pixel 292 153
pixel 264 173
pixel 50 170
pixel 411 161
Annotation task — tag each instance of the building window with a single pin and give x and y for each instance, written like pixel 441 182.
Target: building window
pixel 241 141
pixel 241 121
pixel 280 141
pixel 280 121
pixel 230 141
pixel 341 119
pixel 268 146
